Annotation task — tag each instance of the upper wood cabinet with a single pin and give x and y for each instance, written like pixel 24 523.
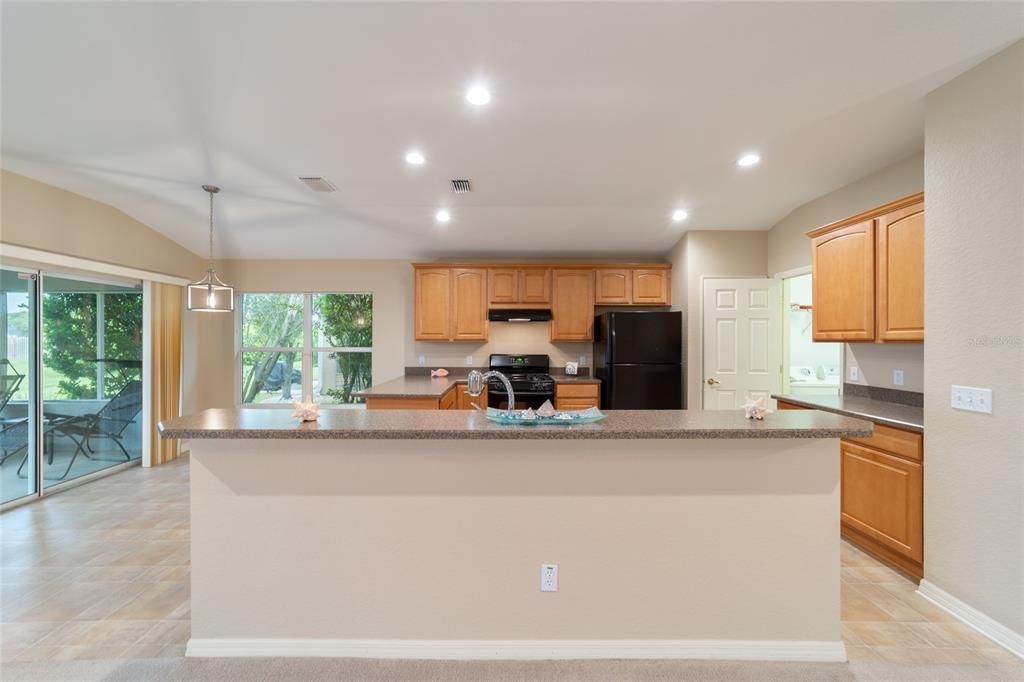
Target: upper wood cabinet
pixel 469 304
pixel 514 286
pixel 433 304
pixel 572 305
pixel 451 304
pixel 535 286
pixel 613 286
pixel 869 275
pixel 632 286
pixel 844 283
pixel 900 268
pixel 652 287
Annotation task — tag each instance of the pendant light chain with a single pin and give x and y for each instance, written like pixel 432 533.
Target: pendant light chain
pixel 211 231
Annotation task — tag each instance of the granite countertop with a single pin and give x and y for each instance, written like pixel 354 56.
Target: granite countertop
pixel 878 411
pixel 421 386
pixel 460 425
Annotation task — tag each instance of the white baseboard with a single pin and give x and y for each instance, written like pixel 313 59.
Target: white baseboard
pixel 522 649
pixel 994 630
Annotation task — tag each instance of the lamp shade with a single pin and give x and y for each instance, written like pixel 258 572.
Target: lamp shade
pixel 210 295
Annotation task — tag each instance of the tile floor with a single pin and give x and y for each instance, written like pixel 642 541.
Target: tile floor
pixel 102 571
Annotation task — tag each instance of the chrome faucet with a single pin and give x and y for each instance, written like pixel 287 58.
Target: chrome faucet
pixel 476 382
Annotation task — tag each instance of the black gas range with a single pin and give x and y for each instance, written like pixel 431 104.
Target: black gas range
pixel 530 379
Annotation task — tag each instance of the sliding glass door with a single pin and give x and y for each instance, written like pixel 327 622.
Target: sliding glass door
pixel 92 376
pixel 18 385
pixel 70 379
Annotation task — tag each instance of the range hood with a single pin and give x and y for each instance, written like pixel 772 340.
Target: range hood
pixel 519 315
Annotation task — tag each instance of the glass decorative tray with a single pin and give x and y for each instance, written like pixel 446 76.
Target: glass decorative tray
pixel 568 417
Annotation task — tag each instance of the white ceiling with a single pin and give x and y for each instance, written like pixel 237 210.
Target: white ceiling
pixel 605 117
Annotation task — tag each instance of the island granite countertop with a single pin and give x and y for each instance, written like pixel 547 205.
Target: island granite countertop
pixel 896 415
pixel 462 425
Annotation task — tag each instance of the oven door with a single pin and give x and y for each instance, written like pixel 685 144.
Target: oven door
pixel 499 399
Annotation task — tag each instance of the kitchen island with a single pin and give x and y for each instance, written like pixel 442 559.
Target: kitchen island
pixel 421 534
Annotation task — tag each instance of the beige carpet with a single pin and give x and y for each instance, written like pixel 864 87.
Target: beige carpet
pixel 360 670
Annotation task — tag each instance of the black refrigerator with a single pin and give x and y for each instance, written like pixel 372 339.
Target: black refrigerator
pixel 638 356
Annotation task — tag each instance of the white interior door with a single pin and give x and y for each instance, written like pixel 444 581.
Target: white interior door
pixel 742 341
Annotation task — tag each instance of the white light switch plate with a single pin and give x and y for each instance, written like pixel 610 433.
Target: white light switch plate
pixel 897 377
pixel 549 577
pixel 855 374
pixel 972 399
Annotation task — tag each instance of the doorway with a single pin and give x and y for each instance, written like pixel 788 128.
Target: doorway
pixel 71 361
pixel 809 367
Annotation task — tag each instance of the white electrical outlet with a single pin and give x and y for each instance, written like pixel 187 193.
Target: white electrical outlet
pixel 855 373
pixel 422 360
pixel 469 361
pixel 897 377
pixel 583 361
pixel 972 399
pixel 549 577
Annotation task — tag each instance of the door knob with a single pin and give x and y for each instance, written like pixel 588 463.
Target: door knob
pixel 713 381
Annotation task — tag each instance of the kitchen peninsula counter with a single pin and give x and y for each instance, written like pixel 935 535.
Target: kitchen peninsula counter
pixel 421 534
pixel 425 386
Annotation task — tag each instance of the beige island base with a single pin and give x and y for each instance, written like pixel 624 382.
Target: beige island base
pixel 411 534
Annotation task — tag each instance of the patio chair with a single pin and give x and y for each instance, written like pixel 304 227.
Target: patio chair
pixel 14 438
pixel 10 381
pixel 109 422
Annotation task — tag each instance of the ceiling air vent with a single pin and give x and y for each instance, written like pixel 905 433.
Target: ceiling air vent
pixel 318 184
pixel 461 186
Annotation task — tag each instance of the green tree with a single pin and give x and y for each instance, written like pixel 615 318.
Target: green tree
pixel 69 341
pixel 346 321
pixel 270 321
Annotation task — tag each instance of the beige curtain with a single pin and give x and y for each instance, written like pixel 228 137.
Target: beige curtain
pixel 165 366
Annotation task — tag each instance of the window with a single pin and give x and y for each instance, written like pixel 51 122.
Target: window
pixel 299 345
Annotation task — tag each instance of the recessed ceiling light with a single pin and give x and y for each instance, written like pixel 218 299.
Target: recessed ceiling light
pixel 442 216
pixel 478 95
pixel 679 215
pixel 748 159
pixel 415 158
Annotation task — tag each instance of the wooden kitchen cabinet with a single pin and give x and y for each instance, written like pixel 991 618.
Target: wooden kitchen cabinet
pixel 465 400
pixel 843 261
pixel 900 268
pixel 450 399
pixel 652 287
pixel 881 505
pixel 433 304
pixel 868 276
pixel 535 286
pixel 572 305
pixel 570 396
pixel 519 286
pixel 469 304
pixel 612 287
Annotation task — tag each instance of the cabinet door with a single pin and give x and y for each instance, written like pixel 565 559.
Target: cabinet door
pixel 449 401
pixel 575 403
pixel 433 304
pixel 535 286
pixel 503 285
pixel 651 287
pixel 613 287
pixel 844 283
pixel 572 305
pixel 466 400
pixel 469 304
pixel 882 498
pixel 900 266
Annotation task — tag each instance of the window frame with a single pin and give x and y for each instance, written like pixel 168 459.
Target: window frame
pixel 306 350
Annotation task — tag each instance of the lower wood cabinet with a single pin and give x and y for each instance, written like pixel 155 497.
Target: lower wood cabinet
pixel 577 396
pixel 882 494
pixel 465 401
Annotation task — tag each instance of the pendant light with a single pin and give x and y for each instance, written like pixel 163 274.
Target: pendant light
pixel 210 295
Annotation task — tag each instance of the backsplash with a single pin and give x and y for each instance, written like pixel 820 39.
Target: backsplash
pixel 505 337
pixel 876 361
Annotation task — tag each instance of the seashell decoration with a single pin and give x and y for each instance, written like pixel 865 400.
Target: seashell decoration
pixel 756 409
pixel 546 410
pixel 306 412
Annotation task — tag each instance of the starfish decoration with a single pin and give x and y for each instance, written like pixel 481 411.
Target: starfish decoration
pixel 306 412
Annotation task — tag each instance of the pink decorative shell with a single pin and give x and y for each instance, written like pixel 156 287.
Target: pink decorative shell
pixel 439 372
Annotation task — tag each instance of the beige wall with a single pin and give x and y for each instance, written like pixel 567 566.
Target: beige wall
pixel 443 539
pixel 41 216
pixel 789 249
pixel 503 337
pixel 788 245
pixel 706 253
pixel 974 259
